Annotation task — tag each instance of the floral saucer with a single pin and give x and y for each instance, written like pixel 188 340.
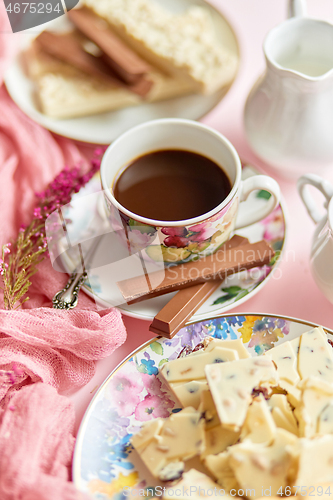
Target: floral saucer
pixel 236 288
pixel 104 460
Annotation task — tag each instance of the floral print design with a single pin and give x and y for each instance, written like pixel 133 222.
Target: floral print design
pixel 204 238
pixel 175 244
pixel 134 394
pixel 235 288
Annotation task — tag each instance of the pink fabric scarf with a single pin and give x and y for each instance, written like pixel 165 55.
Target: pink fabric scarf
pixel 42 350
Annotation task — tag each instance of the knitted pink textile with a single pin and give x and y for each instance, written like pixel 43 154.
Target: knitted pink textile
pixel 36 446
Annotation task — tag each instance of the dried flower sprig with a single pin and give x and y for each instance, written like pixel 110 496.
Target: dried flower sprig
pixel 19 260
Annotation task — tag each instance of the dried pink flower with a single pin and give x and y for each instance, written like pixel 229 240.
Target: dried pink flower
pixel 30 246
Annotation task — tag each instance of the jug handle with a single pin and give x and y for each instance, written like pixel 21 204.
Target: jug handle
pixel 323 186
pixel 297 8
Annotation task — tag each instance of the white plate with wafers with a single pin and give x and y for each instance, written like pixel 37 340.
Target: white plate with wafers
pixel 103 128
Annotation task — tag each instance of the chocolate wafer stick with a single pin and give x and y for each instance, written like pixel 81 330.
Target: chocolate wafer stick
pixel 119 56
pixel 173 316
pixel 213 267
pixel 68 48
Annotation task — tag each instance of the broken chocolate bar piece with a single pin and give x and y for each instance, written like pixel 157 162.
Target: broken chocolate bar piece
pixel 69 47
pixel 125 62
pixel 213 267
pixel 185 303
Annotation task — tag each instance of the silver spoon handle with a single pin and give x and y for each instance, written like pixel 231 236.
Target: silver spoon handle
pixel 67 298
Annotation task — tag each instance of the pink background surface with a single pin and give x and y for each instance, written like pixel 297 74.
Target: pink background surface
pixel 292 292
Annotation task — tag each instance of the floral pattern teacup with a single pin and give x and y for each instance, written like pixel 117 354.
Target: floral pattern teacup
pixel 179 241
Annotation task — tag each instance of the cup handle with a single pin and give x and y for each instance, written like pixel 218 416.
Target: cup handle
pixel 297 8
pixel 323 186
pixel 244 218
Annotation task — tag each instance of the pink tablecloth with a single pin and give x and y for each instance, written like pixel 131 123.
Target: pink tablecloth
pixel 292 292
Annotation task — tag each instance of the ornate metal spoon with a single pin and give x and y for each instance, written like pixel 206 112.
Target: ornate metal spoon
pixel 67 298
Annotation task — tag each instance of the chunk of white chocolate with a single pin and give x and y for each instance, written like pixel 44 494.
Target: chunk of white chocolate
pixel 231 385
pixel 282 413
pixel 147 433
pixel 315 460
pixel 317 396
pixel 315 357
pixel 188 393
pixel 257 466
pixel 259 426
pixel 218 439
pixel 208 409
pixel 193 484
pixel 293 393
pixel 325 420
pixel 283 423
pixel 193 367
pixel 285 358
pixel 180 438
pixel 236 345
pixel 218 466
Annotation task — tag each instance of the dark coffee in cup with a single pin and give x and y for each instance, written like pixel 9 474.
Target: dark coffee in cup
pixel 171 185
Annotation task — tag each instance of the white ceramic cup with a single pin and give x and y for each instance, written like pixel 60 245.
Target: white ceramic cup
pixel 176 241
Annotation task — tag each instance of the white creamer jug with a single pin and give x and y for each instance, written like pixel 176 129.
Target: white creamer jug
pixel 289 112
pixel 321 260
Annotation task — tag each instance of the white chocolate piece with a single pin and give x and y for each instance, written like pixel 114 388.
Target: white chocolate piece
pixel 218 466
pixel 325 420
pixel 283 423
pixel 322 331
pixel 193 367
pixel 189 486
pixel 295 345
pixel 181 437
pixel 293 393
pixel 172 471
pixel 147 433
pixel 315 460
pixel 315 357
pixel 231 385
pixel 235 345
pixel 257 466
pixel 208 408
pixel 218 439
pixel 188 393
pixel 317 395
pixel 285 358
pixel 282 413
pixel 259 426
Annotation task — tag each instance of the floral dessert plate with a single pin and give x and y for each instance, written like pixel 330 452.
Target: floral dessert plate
pixel 236 288
pixel 103 128
pixel 104 460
